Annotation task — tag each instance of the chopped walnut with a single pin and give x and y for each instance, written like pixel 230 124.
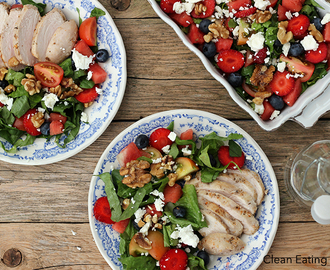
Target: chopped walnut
pixel 57 90
pixel 38 119
pixel 200 8
pixel 71 89
pixel 158 226
pixel 154 218
pixel 258 100
pixel 141 223
pixel 13 62
pixel 125 203
pixel 315 33
pixel 135 173
pixel 142 241
pixel 88 104
pixel 187 177
pixel 172 179
pixel 156 169
pixel 3 72
pixel 219 30
pixel 262 76
pixel 261 16
pixel 168 162
pixel 9 88
pixel 31 84
pixel 282 35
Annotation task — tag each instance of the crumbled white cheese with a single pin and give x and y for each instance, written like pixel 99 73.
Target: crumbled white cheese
pixel 236 31
pixel 159 204
pixel 288 14
pixel 186 151
pixel 158 194
pixel 98 90
pixel 145 227
pixel 139 214
pixel 185 235
pixel 50 99
pixel 5 100
pixel 281 66
pixel 172 136
pixel 157 160
pixel 183 7
pixel 286 48
pixel 81 61
pixel 274 114
pixel 89 75
pixel 309 43
pixel 261 4
pixel 40 109
pixel 166 149
pixel 326 18
pixel 259 109
pixel 84 117
pixel 256 41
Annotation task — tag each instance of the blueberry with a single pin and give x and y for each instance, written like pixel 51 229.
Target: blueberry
pixel 44 129
pixel 212 160
pixel 296 49
pixel 179 211
pixel 3 84
pixel 235 79
pixel 277 44
pixel 142 141
pixel 204 25
pixel 204 256
pixel 102 55
pixel 276 101
pixel 136 226
pixel 181 183
pixel 209 49
pixel 317 22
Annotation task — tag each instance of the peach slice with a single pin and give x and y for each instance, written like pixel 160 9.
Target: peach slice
pixel 185 167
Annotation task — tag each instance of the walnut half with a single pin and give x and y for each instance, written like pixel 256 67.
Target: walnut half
pixel 135 173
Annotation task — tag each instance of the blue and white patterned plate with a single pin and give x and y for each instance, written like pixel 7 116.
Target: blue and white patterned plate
pixel 104 109
pixel 203 123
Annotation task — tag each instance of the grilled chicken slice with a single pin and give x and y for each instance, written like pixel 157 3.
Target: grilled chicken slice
pixel 239 196
pixel 4 11
pixel 254 179
pixel 249 222
pixel 44 31
pixel 214 223
pixel 6 41
pixel 221 244
pixel 23 34
pixel 235 227
pixel 62 42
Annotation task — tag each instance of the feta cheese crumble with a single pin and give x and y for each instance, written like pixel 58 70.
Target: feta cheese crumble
pixel 50 99
pixel 185 235
pixel 261 4
pixel 172 136
pixel 256 41
pixel 309 43
pixel 5 100
pixel 84 117
pixel 326 19
pixel 81 61
pixel 281 66
pixel 259 109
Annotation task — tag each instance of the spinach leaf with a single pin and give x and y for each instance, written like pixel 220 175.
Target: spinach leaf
pixel 171 126
pixel 20 106
pixel 41 7
pixel 96 12
pixel 66 65
pixel 138 263
pixel 86 84
pixel 234 149
pixel 195 263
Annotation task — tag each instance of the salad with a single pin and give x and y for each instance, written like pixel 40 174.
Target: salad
pixel 47 99
pixel 154 205
pixel 270 51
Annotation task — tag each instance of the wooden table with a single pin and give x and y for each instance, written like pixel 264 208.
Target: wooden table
pixel 43 210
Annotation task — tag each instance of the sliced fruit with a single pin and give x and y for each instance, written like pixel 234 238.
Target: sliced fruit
pixel 223 44
pixel 182 19
pixel 185 167
pixel 260 56
pixel 328 56
pixel 99 75
pixel 134 248
pixel 88 95
pixel 292 97
pixel 28 125
pixel 295 65
pixel 326 32
pixel 281 13
pixel 242 35
pixel 120 226
pixel 87 31
pixel 245 13
pixel 172 194
pixel 195 35
pixel 153 152
pixel 236 4
pixel 248 58
pixel 130 152
pixel 49 74
pixel 53 116
pixel 82 47
pixel 56 127
pixel 298 26
pixel 230 60
pixel 209 5
pixel 272 3
pixel 292 5
pixel 102 211
pixel 225 158
pixel 187 135
pixel 159 138
pixel 1 105
pixel 268 111
pixel 18 123
pixel 174 259
pixel 167 5
pixel 318 55
pixel 248 89
pixel 282 83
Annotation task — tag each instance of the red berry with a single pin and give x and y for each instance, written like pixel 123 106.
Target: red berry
pixel 318 55
pixel 282 83
pixel 245 12
pixel 291 98
pixel 259 57
pixel 225 158
pixel 28 125
pixel 268 111
pixel 174 259
pixel 298 25
pixel 167 5
pixel 293 5
pixel 102 211
pixel 230 60
pixel 159 138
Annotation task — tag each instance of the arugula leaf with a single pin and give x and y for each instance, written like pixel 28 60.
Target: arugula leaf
pixel 145 158
pixel 195 263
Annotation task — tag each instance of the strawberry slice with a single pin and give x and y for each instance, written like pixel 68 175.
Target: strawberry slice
pixel 230 60
pixel 174 259
pixel 282 83
pixel 210 5
pixel 249 59
pixel 245 13
pixel 298 25
pixel 317 56
pixel 268 111
pixel 28 125
pixel 195 35
pixel 292 5
pixel 326 32
pixel 182 19
pixel 259 57
pixel 102 211
pixel 225 158
pixel 223 44
pixel 291 98
pixel 56 127
pixel 88 95
pixel 159 138
pixel 167 5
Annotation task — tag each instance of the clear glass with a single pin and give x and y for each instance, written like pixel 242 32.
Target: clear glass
pixel 307 175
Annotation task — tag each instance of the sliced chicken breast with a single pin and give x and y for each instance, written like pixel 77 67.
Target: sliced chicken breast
pixel 221 244
pixel 4 12
pixel 235 227
pixel 44 31
pixel 23 34
pixel 239 196
pixel 6 41
pixel 214 223
pixel 254 179
pixel 62 42
pixel 249 222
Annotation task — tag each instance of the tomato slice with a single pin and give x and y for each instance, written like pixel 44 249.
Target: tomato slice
pixel 49 74
pixel 87 31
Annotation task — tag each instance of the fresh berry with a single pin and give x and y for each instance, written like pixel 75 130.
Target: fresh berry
pixel 295 65
pixel 174 259
pixel 282 83
pixel 142 141
pixel 204 25
pixel 44 129
pixel 209 4
pixel 182 19
pixel 268 111
pixel 102 211
pixel 3 84
pixel 88 95
pixel 28 125
pixel 237 4
pixel 204 256
pixel 57 116
pixel 224 44
pixel 292 5
pixel 317 23
pixel 326 32
pixel 212 160
pixel 172 193
pixel 195 35
pixel 298 25
pixel 56 127
pixel 102 55
pixel 225 158
pixel 230 60
pixel 135 225
pixel 245 13
pixel 181 183
pixel 291 98
pixel 259 57
pixel 167 5
pixel 296 49
pixel 209 49
pixel 277 44
pixel 159 138
pixel 317 56
pixel 235 79
pixel 276 101
pixel 18 123
pixel 248 58
pixel 179 211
